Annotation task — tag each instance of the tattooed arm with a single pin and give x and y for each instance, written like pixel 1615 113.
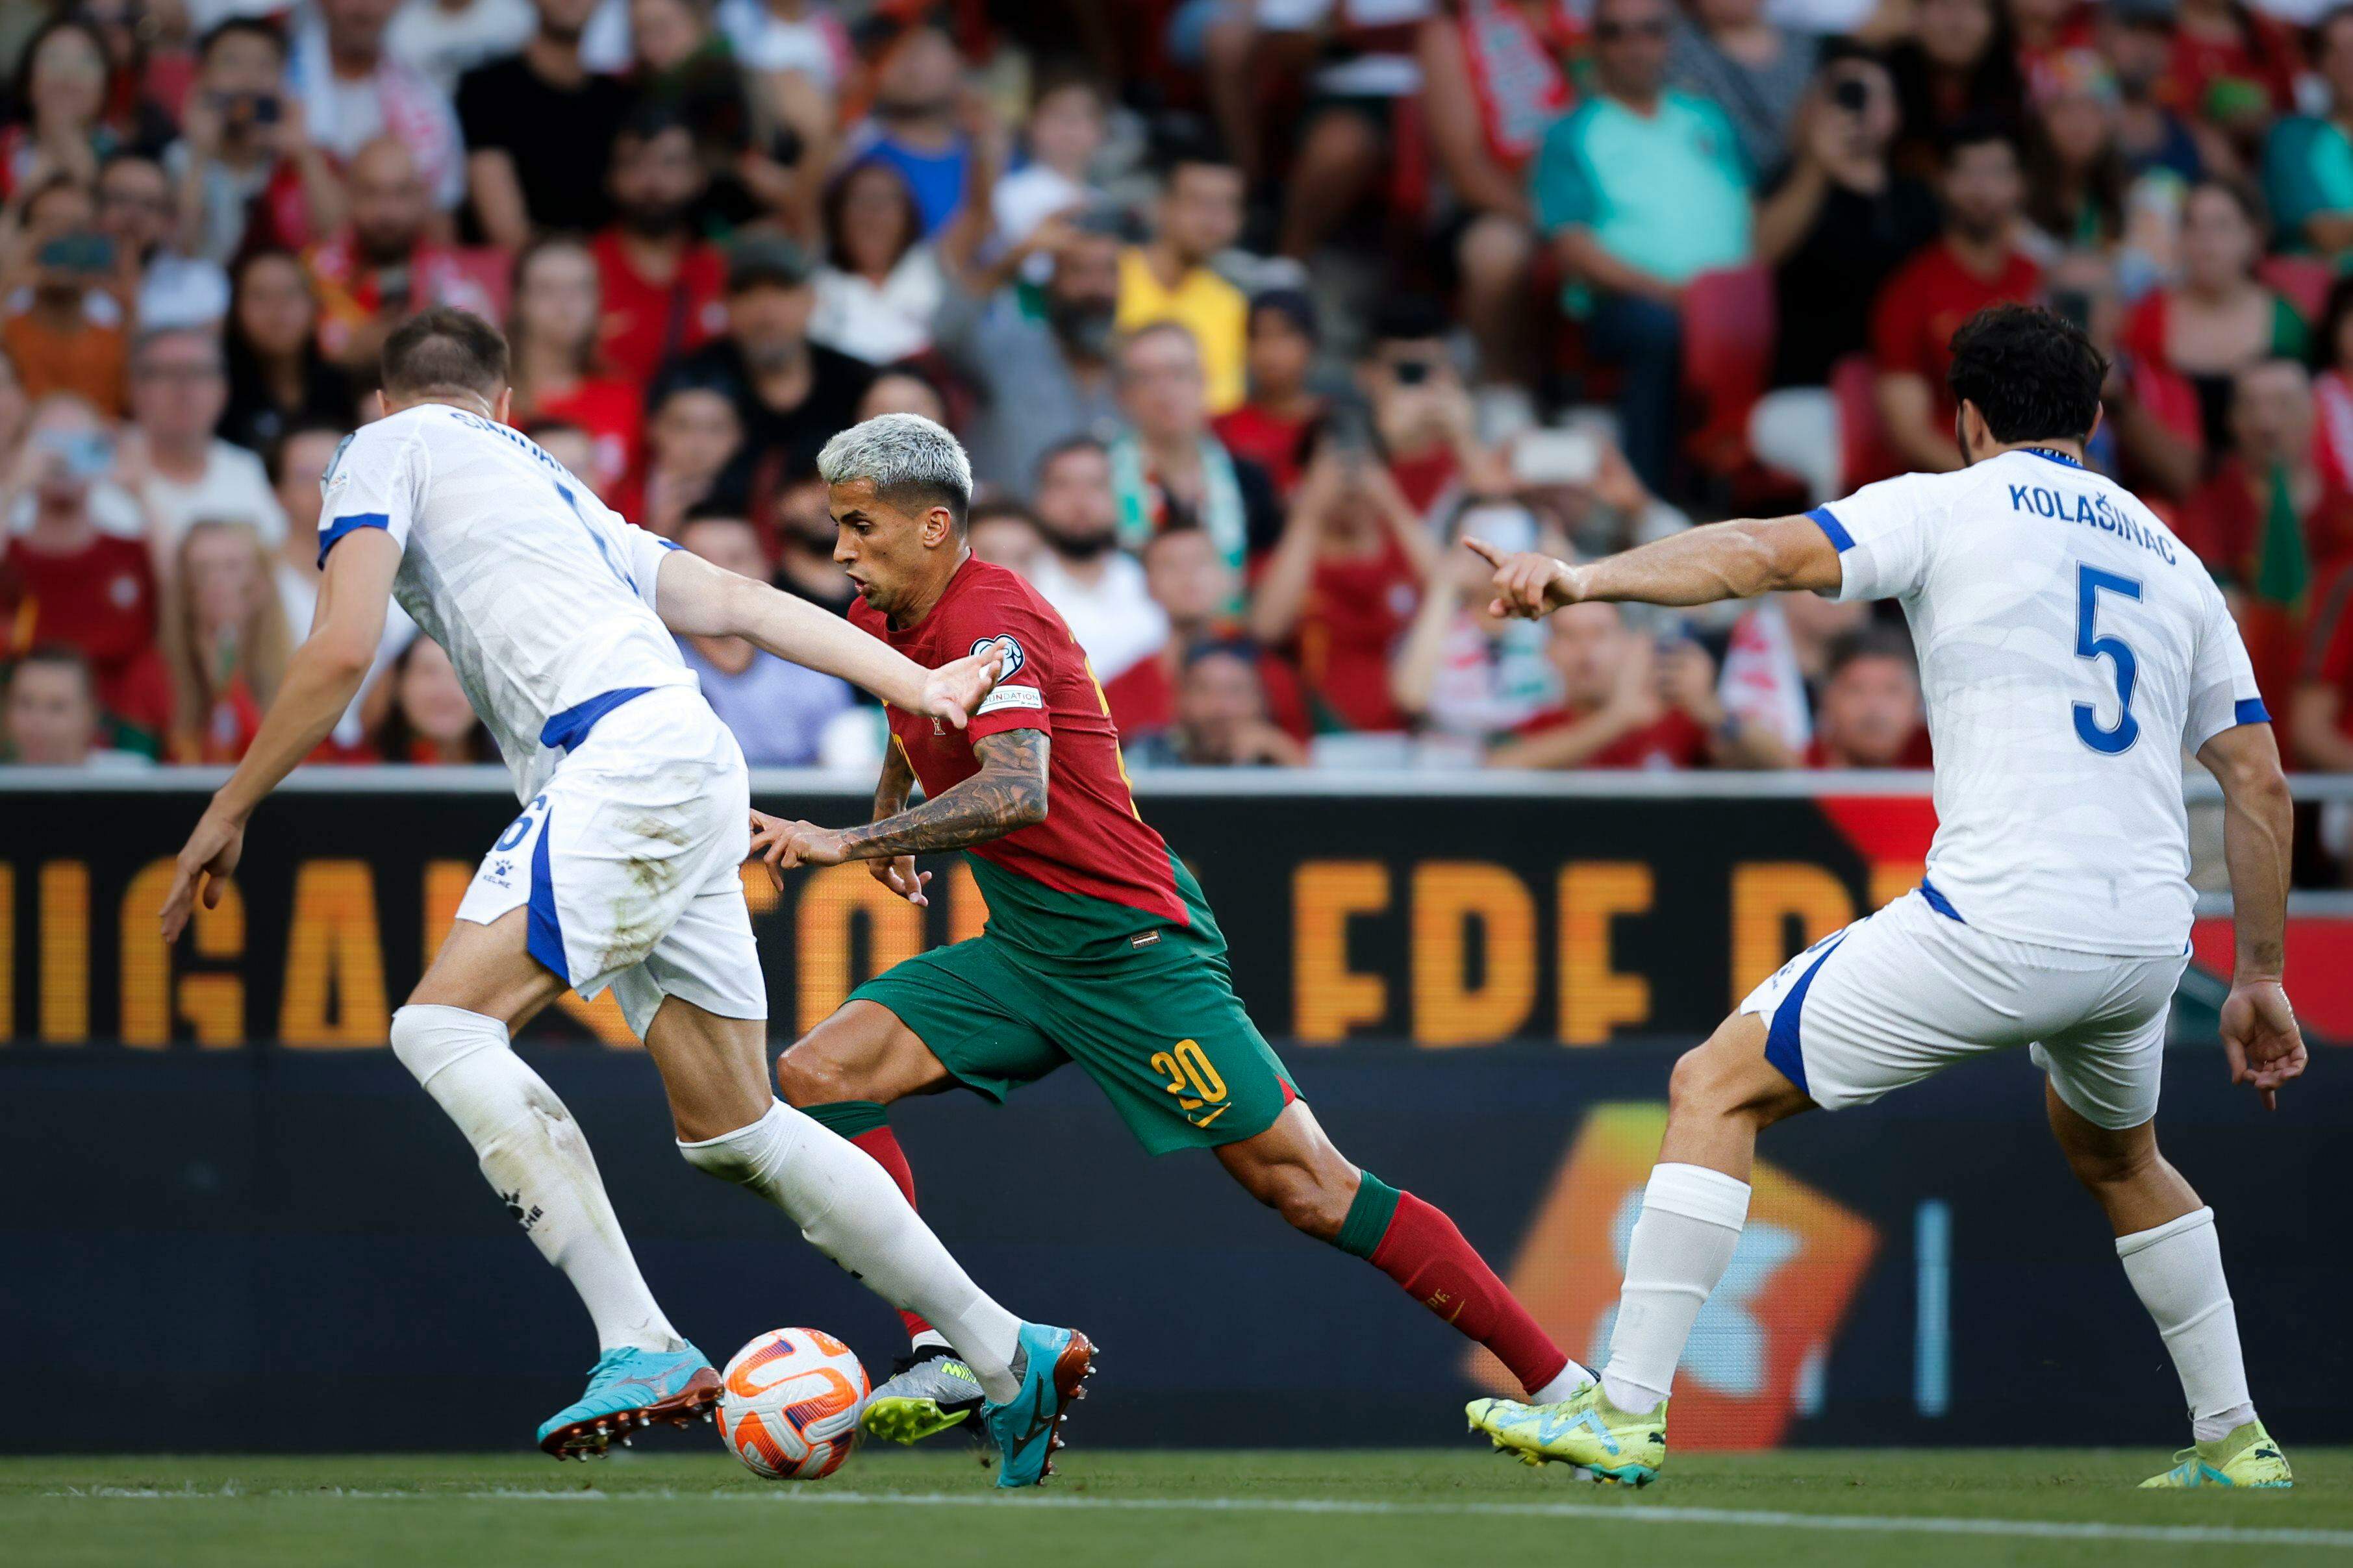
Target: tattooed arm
pixel 1008 792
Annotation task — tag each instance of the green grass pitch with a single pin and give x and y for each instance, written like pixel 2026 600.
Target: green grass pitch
pixel 1822 1507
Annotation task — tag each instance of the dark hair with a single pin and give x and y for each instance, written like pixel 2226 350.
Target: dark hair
pixel 1405 318
pixel 2245 197
pixel 999 508
pixel 396 738
pixel 1974 131
pixel 1870 641
pixel 274 460
pixel 1064 449
pixel 2031 372
pixel 20 96
pixel 2102 197
pixel 58 655
pixel 837 198
pixel 1183 140
pixel 444 349
pixel 233 25
pixel 2332 321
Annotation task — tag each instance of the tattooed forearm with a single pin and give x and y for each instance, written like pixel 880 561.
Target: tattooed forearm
pixel 898 779
pixel 1008 792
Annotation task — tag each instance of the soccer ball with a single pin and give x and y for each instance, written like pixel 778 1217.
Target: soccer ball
pixel 788 1404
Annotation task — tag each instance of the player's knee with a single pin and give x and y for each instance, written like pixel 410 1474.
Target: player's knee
pixel 427 1039
pixel 2113 1164
pixel 1695 1086
pixel 1305 1200
pixel 805 1077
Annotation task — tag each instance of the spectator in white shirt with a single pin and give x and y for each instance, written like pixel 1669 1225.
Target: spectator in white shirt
pixel 441 40
pixel 178 388
pixel 880 284
pixel 778 710
pixel 354 91
pixel 1097 588
pixel 1064 133
pixel 137 210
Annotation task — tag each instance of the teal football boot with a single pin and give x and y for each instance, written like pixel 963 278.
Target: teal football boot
pixel 1052 1365
pixel 629 1388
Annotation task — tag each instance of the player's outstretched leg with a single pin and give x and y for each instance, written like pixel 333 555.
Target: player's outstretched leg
pixel 454 1036
pixel 2166 1239
pixel 1720 1094
pixel 849 1209
pixel 1294 1169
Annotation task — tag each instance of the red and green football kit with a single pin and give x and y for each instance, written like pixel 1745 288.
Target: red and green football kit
pixel 1099 947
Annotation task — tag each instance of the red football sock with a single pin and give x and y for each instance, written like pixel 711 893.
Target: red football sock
pixel 1423 1252
pixel 884 1145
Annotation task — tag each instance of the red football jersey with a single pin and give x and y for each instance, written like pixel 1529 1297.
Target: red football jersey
pixel 1092 844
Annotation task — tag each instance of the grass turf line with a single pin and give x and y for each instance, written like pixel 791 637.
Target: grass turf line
pixel 1144 1509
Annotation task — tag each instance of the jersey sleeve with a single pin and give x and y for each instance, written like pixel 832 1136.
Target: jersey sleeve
pixel 375 480
pixel 1882 537
pixel 1030 642
pixel 2222 691
pixel 641 549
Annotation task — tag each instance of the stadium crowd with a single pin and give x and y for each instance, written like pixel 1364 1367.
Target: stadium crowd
pixel 1247 311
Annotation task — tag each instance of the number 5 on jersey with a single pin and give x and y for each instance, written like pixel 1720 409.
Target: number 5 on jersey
pixel 2090 582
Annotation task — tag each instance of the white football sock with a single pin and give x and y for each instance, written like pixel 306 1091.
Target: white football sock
pixel 1570 1379
pixel 2176 1269
pixel 537 1161
pixel 850 1210
pixel 1682 1245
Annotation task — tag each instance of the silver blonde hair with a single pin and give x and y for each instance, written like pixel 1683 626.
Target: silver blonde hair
pixel 902 453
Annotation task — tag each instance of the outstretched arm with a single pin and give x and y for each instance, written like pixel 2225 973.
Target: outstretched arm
pixel 2259 1029
pixel 696 597
pixel 322 678
pixel 1698 566
pixel 1008 792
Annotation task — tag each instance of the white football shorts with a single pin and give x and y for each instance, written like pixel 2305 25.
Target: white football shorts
pixel 1912 989
pixel 630 860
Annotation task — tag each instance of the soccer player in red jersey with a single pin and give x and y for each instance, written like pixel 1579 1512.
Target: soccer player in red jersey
pixel 1099 947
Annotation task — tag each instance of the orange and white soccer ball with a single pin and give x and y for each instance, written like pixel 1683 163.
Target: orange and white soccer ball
pixel 788 1404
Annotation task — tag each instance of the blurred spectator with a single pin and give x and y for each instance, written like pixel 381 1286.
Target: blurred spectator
pixel 913 124
pixel 791 394
pixel 1040 375
pixel 1465 676
pixel 66 580
pixel 352 92
pixel 50 712
pixel 903 389
pixel 137 213
pixel 2218 319
pixel 1871 715
pixel 1197 214
pixel 2076 174
pixel 2321 721
pixel 2136 37
pixel 1005 533
pixel 1097 589
pixel 1494 75
pixel 1220 717
pixel 385 265
pixel 57 124
pixel 1957 69
pixel 693 441
pixel 1642 188
pixel 277 374
pixel 797 38
pixel 553 364
pixel 1631 701
pixel 300 462
pixel 1420 410
pixel 1062 137
pixel 1167 468
pixel 1733 53
pixel 178 390
pixel 224 639
pixel 1359 61
pixel 246 169
pixel 664 285
pixel 2332 388
pixel 428 718
pixel 1777 657
pixel 1920 306
pixel 443 40
pixel 1341 586
pixel 2269 524
pixel 805 536
pixel 1267 428
pixel 880 287
pixel 1194 592
pixel 776 709
pixel 2308 159
pixel 67 334
pixel 1833 229
pixel 539 130
pixel 681 65
pixel 2233 66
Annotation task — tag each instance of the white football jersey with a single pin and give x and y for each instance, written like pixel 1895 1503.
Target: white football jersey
pixel 542 595
pixel 2070 648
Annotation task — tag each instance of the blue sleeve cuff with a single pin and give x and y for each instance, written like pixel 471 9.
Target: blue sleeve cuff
pixel 343 526
pixel 1839 538
pixel 2250 710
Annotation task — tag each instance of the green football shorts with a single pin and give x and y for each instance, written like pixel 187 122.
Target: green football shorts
pixel 1166 1041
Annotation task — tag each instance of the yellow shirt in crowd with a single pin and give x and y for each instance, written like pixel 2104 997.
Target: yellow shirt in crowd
pixel 1204 303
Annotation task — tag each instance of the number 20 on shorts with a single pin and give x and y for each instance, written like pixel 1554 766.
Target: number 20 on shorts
pixel 1190 1076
